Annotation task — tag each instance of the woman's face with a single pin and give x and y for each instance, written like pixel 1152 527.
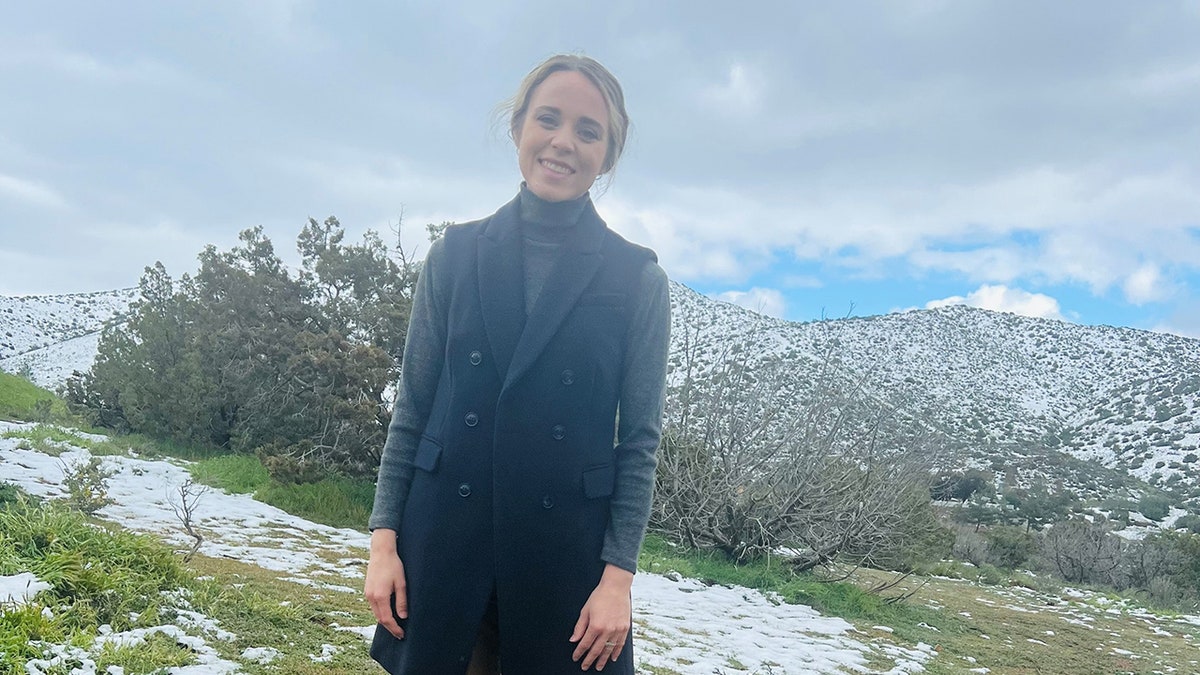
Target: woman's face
pixel 563 137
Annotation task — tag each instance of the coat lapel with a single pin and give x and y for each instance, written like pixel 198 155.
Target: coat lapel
pixel 502 284
pixel 578 262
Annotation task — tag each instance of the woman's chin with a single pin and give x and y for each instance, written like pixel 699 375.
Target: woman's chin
pixel 552 192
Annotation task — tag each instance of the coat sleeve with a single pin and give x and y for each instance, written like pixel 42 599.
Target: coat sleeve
pixel 424 353
pixel 640 418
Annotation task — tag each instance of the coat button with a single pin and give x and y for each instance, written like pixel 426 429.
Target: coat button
pixel 559 432
pixel 568 377
pixel 471 419
pixel 464 490
pixel 476 357
pixel 547 502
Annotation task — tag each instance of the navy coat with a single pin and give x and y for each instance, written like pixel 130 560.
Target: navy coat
pixel 516 465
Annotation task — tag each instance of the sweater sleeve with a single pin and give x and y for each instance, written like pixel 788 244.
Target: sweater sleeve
pixel 640 413
pixel 424 353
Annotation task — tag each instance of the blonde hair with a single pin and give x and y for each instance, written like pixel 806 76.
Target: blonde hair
pixel 606 82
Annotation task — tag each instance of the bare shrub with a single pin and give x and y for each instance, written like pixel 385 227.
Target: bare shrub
pixel 756 458
pixel 183 502
pixel 1082 551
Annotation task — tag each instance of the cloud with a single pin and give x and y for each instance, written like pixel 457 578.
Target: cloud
pixel 766 301
pixel 1166 81
pixel 740 93
pixel 1047 224
pixel 46 55
pixel 31 192
pixel 1184 320
pixel 1005 299
pixel 1146 284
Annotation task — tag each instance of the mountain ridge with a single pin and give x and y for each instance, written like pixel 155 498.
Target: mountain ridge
pixel 1007 390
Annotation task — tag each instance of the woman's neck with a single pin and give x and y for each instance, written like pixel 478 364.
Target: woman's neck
pixel 538 211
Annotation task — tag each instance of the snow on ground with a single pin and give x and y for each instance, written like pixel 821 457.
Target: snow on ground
pixel 35 321
pixel 684 624
pixel 18 589
pixel 50 366
pixel 234 526
pixel 681 624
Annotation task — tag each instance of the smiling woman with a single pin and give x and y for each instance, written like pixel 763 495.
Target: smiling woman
pixel 507 522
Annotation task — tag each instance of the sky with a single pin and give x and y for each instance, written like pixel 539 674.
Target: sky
pixel 803 159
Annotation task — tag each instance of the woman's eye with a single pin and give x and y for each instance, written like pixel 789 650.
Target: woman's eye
pixel 589 135
pixel 546 120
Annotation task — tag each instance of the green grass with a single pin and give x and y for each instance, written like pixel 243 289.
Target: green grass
pixel 24 401
pixel 53 440
pixel 335 501
pixel 117 578
pixel 849 601
pixel 98 577
pixel 238 474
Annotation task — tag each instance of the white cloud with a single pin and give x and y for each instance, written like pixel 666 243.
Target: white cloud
pixel 1166 81
pixel 1005 299
pixel 740 93
pixel 1052 225
pixel 1184 321
pixel 766 301
pixel 1146 284
pixel 31 192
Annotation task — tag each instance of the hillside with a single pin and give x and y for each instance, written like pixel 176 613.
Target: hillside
pixel 52 335
pixel 1032 400
pixel 1055 401
pixel 269 591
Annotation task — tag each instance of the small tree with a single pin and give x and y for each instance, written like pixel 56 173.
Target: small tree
pixel 756 460
pixel 1038 506
pixel 86 482
pixel 1009 547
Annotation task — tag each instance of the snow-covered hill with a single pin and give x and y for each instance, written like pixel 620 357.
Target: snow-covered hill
pixel 1007 390
pixel 1046 400
pixel 49 336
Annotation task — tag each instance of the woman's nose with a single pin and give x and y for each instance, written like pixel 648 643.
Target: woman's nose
pixel 562 142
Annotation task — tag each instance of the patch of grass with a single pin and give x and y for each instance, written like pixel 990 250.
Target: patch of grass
pixel 911 622
pixel 148 447
pixel 100 576
pixel 238 474
pixel 130 581
pixel 24 401
pixel 54 440
pixel 9 493
pixel 1014 629
pixel 265 612
pixel 157 652
pixel 97 577
pixel 336 501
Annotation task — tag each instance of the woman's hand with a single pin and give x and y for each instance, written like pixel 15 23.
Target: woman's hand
pixel 385 580
pixel 603 623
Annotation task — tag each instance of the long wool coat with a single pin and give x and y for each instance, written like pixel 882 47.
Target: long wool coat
pixel 516 466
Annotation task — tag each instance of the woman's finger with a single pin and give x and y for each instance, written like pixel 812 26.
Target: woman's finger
pixel 596 655
pixel 616 653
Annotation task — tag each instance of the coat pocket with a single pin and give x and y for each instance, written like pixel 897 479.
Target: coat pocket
pixel 598 481
pixel 429 452
pixel 601 300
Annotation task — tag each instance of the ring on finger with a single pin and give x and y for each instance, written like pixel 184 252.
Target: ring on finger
pixel 610 644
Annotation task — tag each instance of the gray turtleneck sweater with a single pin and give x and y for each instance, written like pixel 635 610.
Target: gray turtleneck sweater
pixel 544 227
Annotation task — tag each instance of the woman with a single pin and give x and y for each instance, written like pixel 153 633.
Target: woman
pixel 507 521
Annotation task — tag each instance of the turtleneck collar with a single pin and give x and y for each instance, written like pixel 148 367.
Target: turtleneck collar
pixel 538 211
